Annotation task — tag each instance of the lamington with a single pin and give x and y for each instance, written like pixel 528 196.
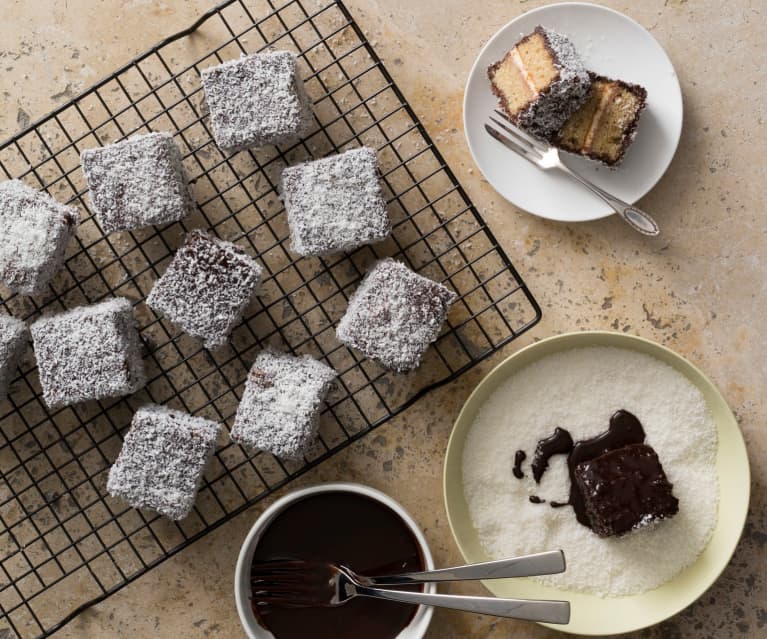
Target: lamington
pixel 280 406
pixel 89 352
pixel 335 204
pixel 540 82
pixel 206 287
pixel 394 315
pixel 14 337
pixel 625 489
pixel 162 460
pixel 137 182
pixel 34 232
pixel 604 127
pixel 257 100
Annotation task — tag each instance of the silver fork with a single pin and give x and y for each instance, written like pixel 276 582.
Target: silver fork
pixel 297 583
pixel 547 157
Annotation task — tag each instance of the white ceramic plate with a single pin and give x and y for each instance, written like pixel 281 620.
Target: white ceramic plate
pixel 610 44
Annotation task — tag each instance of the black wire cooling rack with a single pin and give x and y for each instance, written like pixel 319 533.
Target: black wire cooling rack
pixel 64 543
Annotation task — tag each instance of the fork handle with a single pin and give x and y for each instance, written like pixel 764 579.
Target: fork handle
pixel 527 609
pixel 633 216
pixel 542 563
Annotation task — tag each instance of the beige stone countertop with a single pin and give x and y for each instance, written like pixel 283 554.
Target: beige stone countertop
pixel 700 290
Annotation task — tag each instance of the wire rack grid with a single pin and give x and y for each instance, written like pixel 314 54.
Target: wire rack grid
pixel 64 543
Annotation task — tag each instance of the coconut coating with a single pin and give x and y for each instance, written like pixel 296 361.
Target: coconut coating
pixel 162 460
pixel 280 406
pixel 89 352
pixel 206 287
pixel 137 182
pixel 14 337
pixel 335 204
pixel 257 100
pixel 34 232
pixel 394 315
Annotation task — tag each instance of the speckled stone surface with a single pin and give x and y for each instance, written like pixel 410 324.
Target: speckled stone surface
pixel 699 290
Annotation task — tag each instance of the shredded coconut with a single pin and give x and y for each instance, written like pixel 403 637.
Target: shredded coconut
pixel 394 315
pixel 579 390
pixel 335 204
pixel 14 337
pixel 34 232
pixel 137 182
pixel 280 407
pixel 162 460
pixel 206 287
pixel 257 100
pixel 89 352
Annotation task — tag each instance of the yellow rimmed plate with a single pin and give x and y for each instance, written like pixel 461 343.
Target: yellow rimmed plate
pixel 590 612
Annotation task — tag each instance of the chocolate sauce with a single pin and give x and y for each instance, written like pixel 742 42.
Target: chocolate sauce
pixel 624 429
pixel 625 488
pixel 349 529
pixel 558 444
pixel 534 499
pixel 519 457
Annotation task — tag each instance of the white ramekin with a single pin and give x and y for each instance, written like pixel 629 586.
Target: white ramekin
pixel 420 622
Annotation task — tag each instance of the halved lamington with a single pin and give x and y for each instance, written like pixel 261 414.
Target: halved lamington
pixel 280 406
pixel 14 337
pixel 89 352
pixel 34 232
pixel 606 125
pixel 540 82
pixel 206 287
pixel 394 315
pixel 137 182
pixel 162 460
pixel 257 100
pixel 336 203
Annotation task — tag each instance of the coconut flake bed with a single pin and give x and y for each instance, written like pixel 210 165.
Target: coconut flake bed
pixel 579 390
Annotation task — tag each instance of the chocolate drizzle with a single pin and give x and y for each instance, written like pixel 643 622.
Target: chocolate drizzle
pixel 624 430
pixel 560 443
pixel 519 457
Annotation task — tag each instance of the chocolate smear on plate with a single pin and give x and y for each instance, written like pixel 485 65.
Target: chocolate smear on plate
pixel 560 443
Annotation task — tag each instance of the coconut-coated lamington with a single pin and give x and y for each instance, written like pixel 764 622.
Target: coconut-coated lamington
pixel 257 100
pixel 206 287
pixel 89 352
pixel 540 82
pixel 335 204
pixel 162 460
pixel 14 337
pixel 34 232
pixel 280 406
pixel 137 182
pixel 394 315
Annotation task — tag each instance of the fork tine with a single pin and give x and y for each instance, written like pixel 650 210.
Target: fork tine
pixel 512 134
pixel 521 137
pixel 538 144
pixel 525 152
pixel 286 568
